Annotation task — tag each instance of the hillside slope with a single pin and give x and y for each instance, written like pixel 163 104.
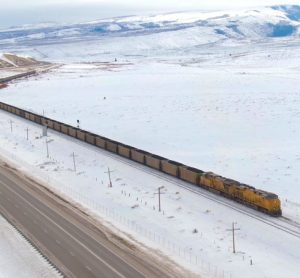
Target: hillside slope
pixel 261 23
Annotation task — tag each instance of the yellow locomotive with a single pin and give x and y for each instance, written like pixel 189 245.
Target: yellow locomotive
pixel 259 199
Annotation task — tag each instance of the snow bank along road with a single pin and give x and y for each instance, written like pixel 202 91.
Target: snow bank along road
pixel 69 239
pixel 17 256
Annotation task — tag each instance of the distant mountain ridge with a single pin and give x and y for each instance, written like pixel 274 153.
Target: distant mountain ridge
pixel 254 24
pixel 292 11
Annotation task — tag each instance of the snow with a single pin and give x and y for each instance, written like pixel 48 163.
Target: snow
pixel 7 73
pixel 226 102
pixel 18 258
pixel 131 206
pixel 2 57
pixel 254 24
pixel 229 125
pixel 191 17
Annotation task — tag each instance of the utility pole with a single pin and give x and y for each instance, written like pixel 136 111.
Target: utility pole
pixel 159 193
pixel 47 148
pixel 233 229
pixel 27 130
pixel 108 172
pixel 11 126
pixel 74 163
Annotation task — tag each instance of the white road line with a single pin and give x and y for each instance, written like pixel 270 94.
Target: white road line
pixel 91 236
pixel 71 236
pixel 88 268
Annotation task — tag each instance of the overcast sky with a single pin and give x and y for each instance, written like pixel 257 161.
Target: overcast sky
pixel 16 12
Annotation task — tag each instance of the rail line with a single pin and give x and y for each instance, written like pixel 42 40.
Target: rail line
pixel 280 223
pixel 271 202
pixel 277 223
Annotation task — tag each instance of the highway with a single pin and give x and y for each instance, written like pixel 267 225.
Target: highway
pixel 74 242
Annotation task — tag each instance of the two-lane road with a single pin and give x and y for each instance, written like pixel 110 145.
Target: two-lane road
pixel 68 237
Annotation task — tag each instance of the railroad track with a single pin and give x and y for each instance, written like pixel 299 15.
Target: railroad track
pixel 281 223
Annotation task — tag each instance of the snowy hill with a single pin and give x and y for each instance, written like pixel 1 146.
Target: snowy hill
pixel 167 35
pixel 261 23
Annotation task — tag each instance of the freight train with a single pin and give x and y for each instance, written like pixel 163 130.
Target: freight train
pixel 258 199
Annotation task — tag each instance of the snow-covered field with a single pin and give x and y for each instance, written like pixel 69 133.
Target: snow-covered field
pixel 241 123
pixel 215 91
pixel 18 258
pixel 190 229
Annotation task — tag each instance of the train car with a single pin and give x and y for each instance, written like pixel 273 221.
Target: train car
pixel 64 129
pixel 17 111
pixel 80 134
pixel 230 188
pixel 124 150
pixel 213 182
pixel 101 142
pixel 206 179
pixel 31 117
pixel 170 167
pixel 44 121
pixel 138 155
pixel 261 200
pixel 154 161
pixel 270 203
pixel 37 119
pixel 112 146
pixel 57 126
pixel 50 123
pixel 90 138
pixel 22 113
pixel 72 131
pixel 190 174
